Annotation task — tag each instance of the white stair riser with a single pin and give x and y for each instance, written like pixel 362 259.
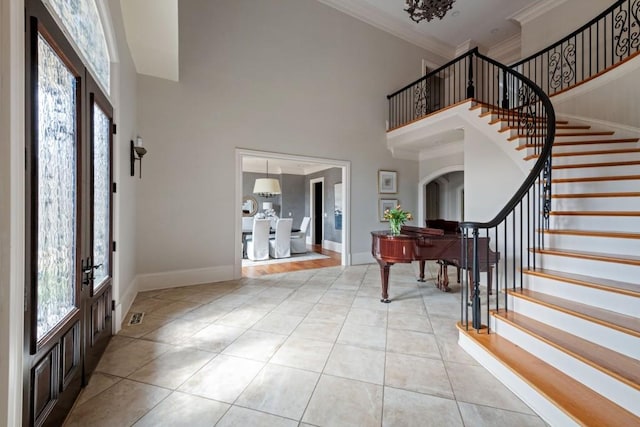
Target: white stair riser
pixel 604 384
pixel 595 158
pixel 613 186
pixel 594 244
pixel 598 334
pixel 587 222
pixel 620 303
pixel 586 267
pixel 585 172
pixel 596 204
pixel 594 147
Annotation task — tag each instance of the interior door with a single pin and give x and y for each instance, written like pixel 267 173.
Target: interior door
pixel 61 234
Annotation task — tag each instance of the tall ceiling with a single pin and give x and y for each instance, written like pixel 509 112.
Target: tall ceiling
pixel 151 27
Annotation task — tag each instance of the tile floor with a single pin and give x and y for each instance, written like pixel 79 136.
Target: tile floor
pixel 307 348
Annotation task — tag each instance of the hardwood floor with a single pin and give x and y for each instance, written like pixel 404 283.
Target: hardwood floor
pixel 284 267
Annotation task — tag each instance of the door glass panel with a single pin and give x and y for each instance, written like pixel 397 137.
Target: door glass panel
pixel 56 140
pixel 101 193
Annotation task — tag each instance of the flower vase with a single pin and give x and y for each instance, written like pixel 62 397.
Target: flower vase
pixel 395 226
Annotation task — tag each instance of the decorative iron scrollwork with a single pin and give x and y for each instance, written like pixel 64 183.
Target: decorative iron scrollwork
pixel 422 95
pixel 546 192
pixel 527 112
pixel 627 30
pixel 562 66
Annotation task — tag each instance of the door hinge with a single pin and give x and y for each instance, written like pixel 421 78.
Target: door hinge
pixel 114 246
pixel 115 129
pixel 114 188
pixel 113 305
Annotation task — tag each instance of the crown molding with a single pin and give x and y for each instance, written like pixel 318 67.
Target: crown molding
pixel 374 17
pixel 530 13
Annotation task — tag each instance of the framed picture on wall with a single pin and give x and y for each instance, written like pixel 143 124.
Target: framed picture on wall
pixel 387 182
pixel 385 204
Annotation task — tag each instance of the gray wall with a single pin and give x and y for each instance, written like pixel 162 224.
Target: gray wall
pixel 293 197
pixel 284 76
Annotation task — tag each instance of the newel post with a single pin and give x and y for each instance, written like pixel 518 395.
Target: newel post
pixel 475 303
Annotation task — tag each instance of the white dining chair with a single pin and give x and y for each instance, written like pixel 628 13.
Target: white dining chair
pixel 258 244
pixel 280 246
pixel 299 238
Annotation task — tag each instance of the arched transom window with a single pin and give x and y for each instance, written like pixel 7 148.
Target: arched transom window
pixel 81 21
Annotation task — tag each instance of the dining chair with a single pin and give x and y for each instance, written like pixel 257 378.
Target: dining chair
pixel 280 246
pixel 258 244
pixel 299 238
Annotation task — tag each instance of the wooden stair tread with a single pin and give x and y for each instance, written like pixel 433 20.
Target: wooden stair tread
pixel 595 179
pixel 541 126
pixel 594 141
pixel 583 195
pixel 597 165
pixel 596 256
pixel 620 322
pixel 595 213
pixel 563 134
pixel 624 368
pixel 575 399
pixel 593 233
pixel 626 288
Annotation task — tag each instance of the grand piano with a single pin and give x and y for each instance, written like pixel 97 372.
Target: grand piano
pixel 428 243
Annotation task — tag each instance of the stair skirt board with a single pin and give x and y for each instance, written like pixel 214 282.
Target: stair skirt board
pixel 602 383
pixel 613 339
pixel 607 300
pixel 549 412
pixel 588 267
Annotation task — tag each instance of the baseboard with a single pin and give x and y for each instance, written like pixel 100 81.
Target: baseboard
pixel 362 258
pixel 332 246
pixel 124 304
pixel 177 278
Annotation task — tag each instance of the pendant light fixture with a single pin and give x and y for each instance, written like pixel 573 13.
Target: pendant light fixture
pixel 266 187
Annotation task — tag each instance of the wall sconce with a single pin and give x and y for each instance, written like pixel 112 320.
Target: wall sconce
pixel 136 153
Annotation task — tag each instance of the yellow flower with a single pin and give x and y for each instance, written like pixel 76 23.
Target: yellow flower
pixel 397 214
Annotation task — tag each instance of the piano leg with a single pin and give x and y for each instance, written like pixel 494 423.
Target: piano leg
pixel 384 275
pixel 421 279
pixel 443 276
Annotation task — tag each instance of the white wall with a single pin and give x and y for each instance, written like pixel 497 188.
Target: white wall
pixel 11 209
pixel 558 22
pixel 288 76
pixel 124 81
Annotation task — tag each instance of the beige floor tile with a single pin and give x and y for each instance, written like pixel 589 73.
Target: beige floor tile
pixel 98 383
pixel 410 409
pixel 330 312
pixel 307 295
pixel 294 307
pixel 484 416
pixel 294 388
pixel 181 409
pixel 241 317
pixel 174 309
pixel 356 363
pixel 256 345
pixel 215 338
pixel 176 332
pixel 470 384
pixel 418 374
pixel 411 342
pixel 318 329
pixel 172 368
pixel 146 305
pixel 409 321
pixel 343 402
pixel 338 297
pixel 451 350
pixel 406 302
pixel 367 317
pixel 149 324
pixel 278 323
pixel 363 336
pixel 129 358
pixel 120 405
pixel 276 293
pixel 223 378
pixel 243 417
pixel 207 313
pixel 303 353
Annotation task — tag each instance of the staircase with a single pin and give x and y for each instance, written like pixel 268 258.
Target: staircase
pixel 569 345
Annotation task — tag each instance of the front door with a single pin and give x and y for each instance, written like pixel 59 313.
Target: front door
pixel 68 235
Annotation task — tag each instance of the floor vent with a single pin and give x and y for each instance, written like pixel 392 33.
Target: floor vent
pixel 136 318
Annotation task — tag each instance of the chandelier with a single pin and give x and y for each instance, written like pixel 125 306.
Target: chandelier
pixel 266 187
pixel 427 9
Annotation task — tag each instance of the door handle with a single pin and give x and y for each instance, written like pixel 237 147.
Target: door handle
pixel 87 271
